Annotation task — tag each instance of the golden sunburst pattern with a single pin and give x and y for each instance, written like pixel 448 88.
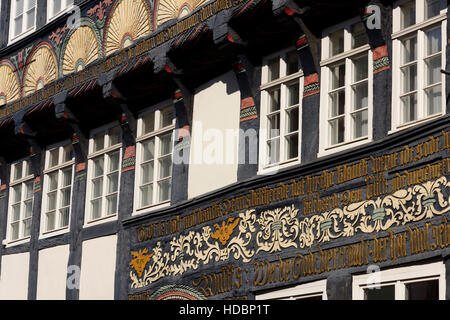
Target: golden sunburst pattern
pixel 81 50
pixel 176 9
pixel 40 71
pixel 129 21
pixel 9 85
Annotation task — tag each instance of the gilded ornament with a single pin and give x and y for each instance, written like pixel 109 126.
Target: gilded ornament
pixel 224 232
pixel 141 258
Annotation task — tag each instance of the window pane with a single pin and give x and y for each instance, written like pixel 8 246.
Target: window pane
pixel 114 135
pixel 293 94
pixel 360 122
pixel 360 95
pixel 408 13
pixel 98 166
pixel 166 144
pixel 274 69
pixel 51 201
pixel 15 231
pixel 164 190
pixel 292 62
pixel 99 141
pixel 29 189
pixel 64 217
pixel 274 100
pixel 432 8
pixel 56 6
pixel 409 50
pixel 18 171
pixel 292 146
pixel 16 212
pixel 383 293
pixel 67 156
pixel 28 212
pixel 96 208
pixel 166 117
pixel 338 76
pixel 54 157
pixel 409 108
pixel 337 42
pixel 113 161
pixel 30 18
pixel 336 130
pixel 17 193
pixel 148 122
pixel 337 103
pixel 148 150
pixel 113 183
pixel 360 69
pixel 146 195
pixel 97 187
pixel 274 125
pixel 67 177
pixel 292 120
pixel 19 7
pixel 424 290
pixel 53 181
pixel 18 23
pixel 147 172
pixel 359 37
pixel 434 100
pixel 65 197
pixel 433 66
pixel 26 228
pixel 111 204
pixel 50 221
pixel 165 166
pixel 274 151
pixel 433 41
pixel 409 78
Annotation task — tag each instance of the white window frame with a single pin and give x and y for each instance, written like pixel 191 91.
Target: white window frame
pixel 282 82
pixel 327 61
pixel 418 30
pixel 141 137
pixel 48 170
pixel 19 182
pixel 399 277
pixel 103 152
pixel 299 292
pixel 24 33
pixel 66 5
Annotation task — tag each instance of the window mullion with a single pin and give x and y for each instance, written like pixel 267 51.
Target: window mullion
pixel 105 184
pixel 421 103
pixel 156 168
pixel 348 99
pixel 283 102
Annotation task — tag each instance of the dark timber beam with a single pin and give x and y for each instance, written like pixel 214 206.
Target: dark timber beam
pixel 308 49
pixel 183 100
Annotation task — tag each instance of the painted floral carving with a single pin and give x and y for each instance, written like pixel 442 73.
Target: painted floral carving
pixel 280 228
pixel 99 10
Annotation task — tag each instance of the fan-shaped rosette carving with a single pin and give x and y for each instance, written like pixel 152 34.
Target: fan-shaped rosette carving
pixel 176 9
pixel 81 50
pixel 9 84
pixel 129 21
pixel 41 70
